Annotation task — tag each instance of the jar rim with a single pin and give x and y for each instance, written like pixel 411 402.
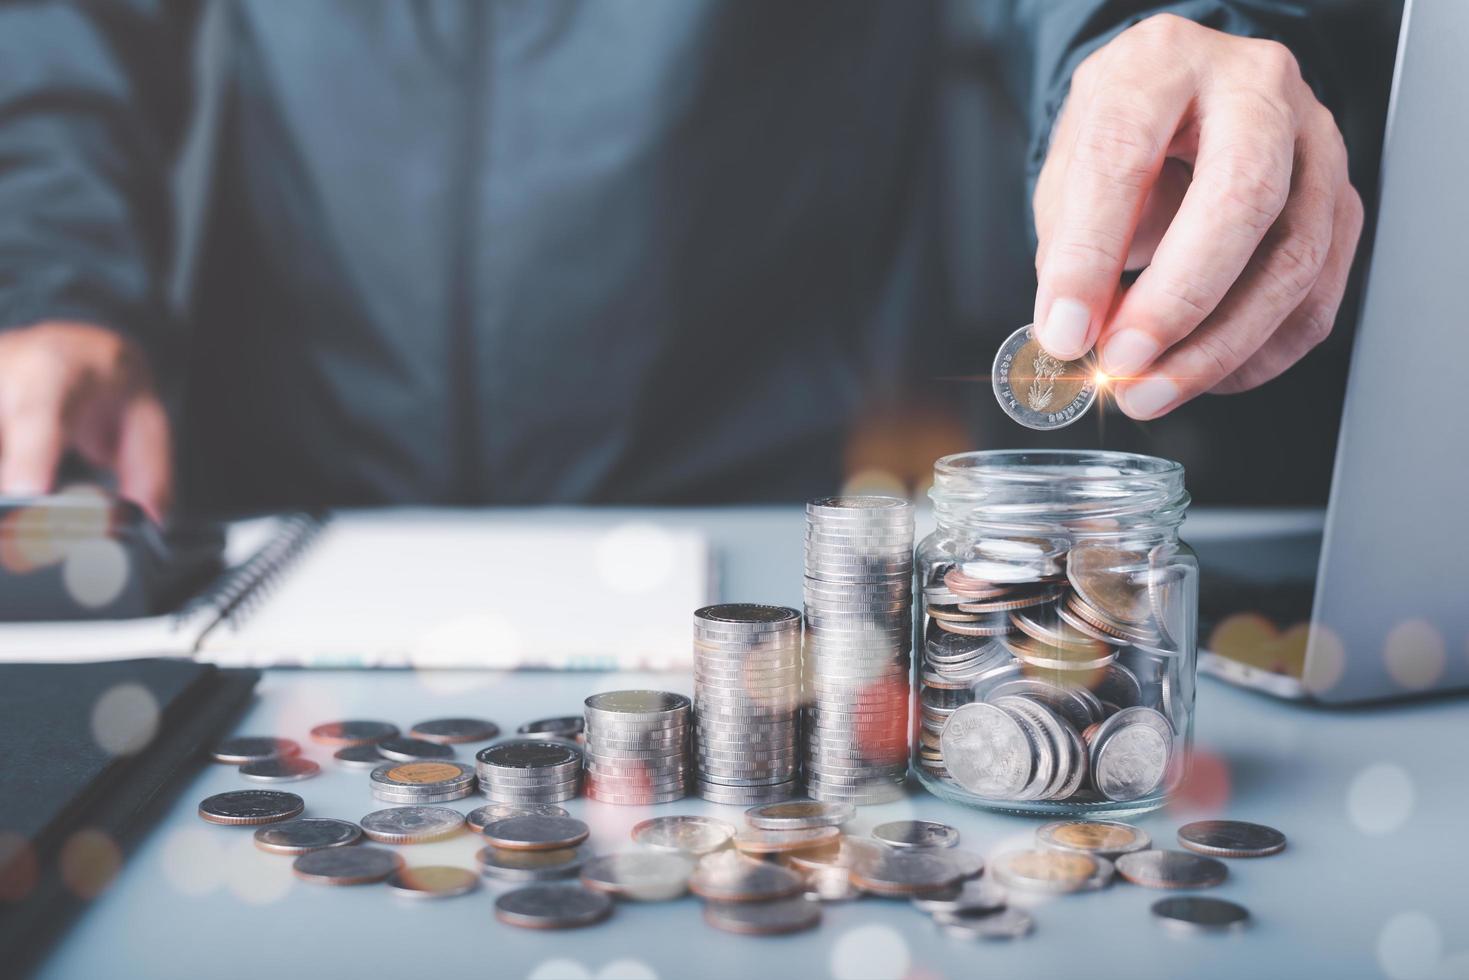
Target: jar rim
pixel 1035 465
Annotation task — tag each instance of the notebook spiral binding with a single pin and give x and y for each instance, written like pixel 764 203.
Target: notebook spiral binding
pixel 236 597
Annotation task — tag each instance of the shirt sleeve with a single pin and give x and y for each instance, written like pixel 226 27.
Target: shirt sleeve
pixel 93 101
pixel 1059 34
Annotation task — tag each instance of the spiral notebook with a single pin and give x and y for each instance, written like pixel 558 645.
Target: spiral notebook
pixel 422 589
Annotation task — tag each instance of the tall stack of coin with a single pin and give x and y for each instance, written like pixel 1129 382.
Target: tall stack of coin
pixel 529 771
pixel 637 747
pixel 859 568
pixel 1064 650
pixel 747 689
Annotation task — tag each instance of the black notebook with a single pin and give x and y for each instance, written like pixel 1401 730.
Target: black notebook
pixel 95 750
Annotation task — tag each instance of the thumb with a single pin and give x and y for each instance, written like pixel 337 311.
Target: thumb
pixel 32 439
pixel 144 463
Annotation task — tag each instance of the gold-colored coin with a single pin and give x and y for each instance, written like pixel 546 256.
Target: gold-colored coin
pixel 423 772
pixel 1104 837
pixel 1045 871
pixel 1040 391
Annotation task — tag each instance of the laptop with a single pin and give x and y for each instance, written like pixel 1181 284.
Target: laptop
pixel 1386 612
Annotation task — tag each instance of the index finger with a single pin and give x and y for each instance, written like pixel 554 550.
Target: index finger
pixel 1120 141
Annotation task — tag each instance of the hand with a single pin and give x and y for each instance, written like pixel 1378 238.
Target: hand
pixel 1205 158
pixel 77 386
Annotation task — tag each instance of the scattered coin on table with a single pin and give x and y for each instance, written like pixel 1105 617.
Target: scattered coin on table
pixel 965 896
pixel 1193 913
pixel 450 731
pixel 422 782
pixel 643 876
pixel 552 907
pixel 412 824
pixel 800 814
pixel 350 733
pixel 536 833
pixel 529 771
pixel 306 834
pixel 752 841
pixel 401 749
pixel 507 865
pixel 1171 869
pixel 1106 838
pixel 481 817
pixel 250 807
pixel 567 727
pixel 683 834
pixel 363 756
pixel 432 881
pixel 916 833
pixel 728 876
pixel 1231 838
pixel 287 769
pixel 253 748
pixel 346 865
pixel 763 918
pixel 1007 923
pixel 1052 872
pixel 883 871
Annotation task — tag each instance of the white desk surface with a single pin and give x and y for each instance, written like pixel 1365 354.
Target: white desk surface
pixel 1371 884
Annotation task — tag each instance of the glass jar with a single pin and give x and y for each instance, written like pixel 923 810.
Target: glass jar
pixel 1055 633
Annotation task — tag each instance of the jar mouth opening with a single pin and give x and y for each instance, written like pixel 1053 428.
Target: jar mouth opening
pixel 1045 465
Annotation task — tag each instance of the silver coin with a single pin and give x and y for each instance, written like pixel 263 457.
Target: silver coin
pixel 346 865
pixel 748 615
pixel 902 873
pixel 987 751
pixel 1105 838
pixel 916 833
pixel 552 907
pixel 630 707
pixel 386 796
pixel 536 833
pixel 496 862
pixel 763 918
pixel 432 881
pixel 530 756
pixel 448 731
pixel 422 778
pixel 287 769
pixel 412 824
pixel 567 726
pixel 1131 754
pixel 728 876
pixel 683 834
pixel 412 749
pixel 1194 913
pixel 1040 391
pixel 358 756
pixel 241 749
pixel 349 733
pixel 1171 869
pixel 250 807
pixel 641 876
pixel 1231 838
pixel 799 814
pixel 306 834
pixel 1006 923
pixel 975 896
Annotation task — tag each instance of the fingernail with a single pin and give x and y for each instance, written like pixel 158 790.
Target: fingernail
pixel 1127 352
pixel 1064 332
pixel 1148 398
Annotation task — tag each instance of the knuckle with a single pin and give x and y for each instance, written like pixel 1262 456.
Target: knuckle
pixel 1253 184
pixel 1297 261
pixel 1316 321
pixel 1090 248
pixel 1185 300
pixel 1159 29
pixel 1120 146
pixel 1216 355
pixel 1273 64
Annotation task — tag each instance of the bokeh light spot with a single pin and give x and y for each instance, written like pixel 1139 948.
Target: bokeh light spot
pixel 125 719
pixel 1207 786
pixel 95 572
pixel 18 867
pixel 254 877
pixel 870 952
pixel 560 969
pixel 1415 654
pixel 1326 662
pixel 1380 799
pixel 89 861
pixel 1410 947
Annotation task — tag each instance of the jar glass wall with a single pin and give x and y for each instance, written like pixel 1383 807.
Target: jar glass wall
pixel 1055 632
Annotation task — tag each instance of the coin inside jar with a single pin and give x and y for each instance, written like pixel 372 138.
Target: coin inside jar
pixel 432 881
pixel 536 833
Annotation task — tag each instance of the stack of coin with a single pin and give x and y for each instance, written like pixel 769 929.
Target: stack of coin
pixel 859 568
pixel 747 688
pixel 529 771
pixel 422 782
pixel 1067 651
pixel 637 747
